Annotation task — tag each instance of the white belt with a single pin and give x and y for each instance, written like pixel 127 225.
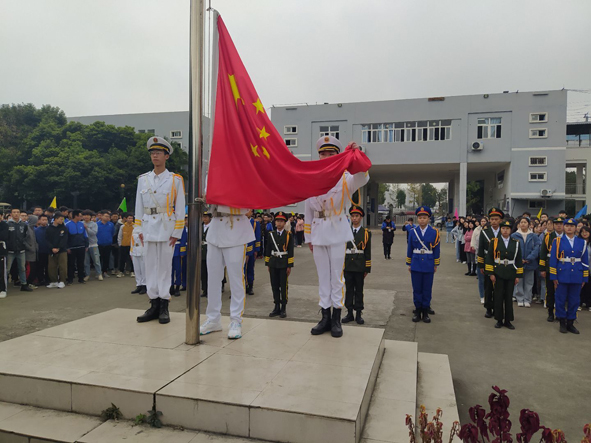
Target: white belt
pixel 354 251
pixel 154 211
pixel 278 254
pixel 422 251
pixel 572 260
pixel 504 262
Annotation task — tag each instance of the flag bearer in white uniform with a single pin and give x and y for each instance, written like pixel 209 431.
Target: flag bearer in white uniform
pixel 159 223
pixel 327 232
pixel 228 233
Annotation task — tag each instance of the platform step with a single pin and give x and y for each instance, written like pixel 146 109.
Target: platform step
pixel 395 394
pixel 435 389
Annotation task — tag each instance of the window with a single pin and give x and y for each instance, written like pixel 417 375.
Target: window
pixel 538 133
pixel 151 131
pixel 537 176
pixel 291 130
pixel 538 117
pixel 291 142
pixel 536 204
pixel 437 130
pixel 332 130
pixel 141 131
pixel 176 134
pixel 538 161
pixel 489 127
pixel 500 179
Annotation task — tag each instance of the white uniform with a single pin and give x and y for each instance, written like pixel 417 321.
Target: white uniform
pixel 136 251
pixel 160 214
pixel 227 235
pixel 328 229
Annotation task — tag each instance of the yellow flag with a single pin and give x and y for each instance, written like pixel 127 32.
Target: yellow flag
pixel 540 213
pixel 53 203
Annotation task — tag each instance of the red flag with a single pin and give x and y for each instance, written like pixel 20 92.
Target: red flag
pixel 250 166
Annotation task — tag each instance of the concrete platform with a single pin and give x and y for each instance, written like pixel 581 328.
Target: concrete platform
pixel 277 383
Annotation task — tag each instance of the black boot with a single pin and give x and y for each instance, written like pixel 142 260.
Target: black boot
pixel 143 290
pixel 358 318
pixel 204 294
pixel 489 313
pixel 430 311
pixel 324 324
pixel 275 311
pixel 249 290
pixel 152 313
pixel 177 291
pixel 562 325
pixel 164 316
pixel 426 318
pixel 26 288
pixel 499 324
pixel 469 269
pixel 336 330
pixel 349 317
pixel 417 315
pixel 550 315
pixel 283 313
pixel 171 290
pixel 136 290
pixel 570 327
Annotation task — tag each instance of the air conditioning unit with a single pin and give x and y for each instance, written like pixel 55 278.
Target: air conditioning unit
pixel 477 146
pixel 546 193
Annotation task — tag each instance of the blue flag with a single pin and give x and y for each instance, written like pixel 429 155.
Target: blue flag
pixel 581 212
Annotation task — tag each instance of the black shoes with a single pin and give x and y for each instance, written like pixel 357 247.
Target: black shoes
pixel 137 290
pixel 418 314
pixel 550 318
pixel 143 290
pixel 562 325
pixel 26 288
pixel 275 312
pixel 177 293
pixel 570 327
pixel 508 325
pixel 349 317
pixel 489 313
pixel 358 319
pixel 249 290
pixel 324 325
pixel 283 314
pixel 152 313
pixel 336 330
pixel 204 295
pixel 426 318
pixel 164 316
pixel 499 324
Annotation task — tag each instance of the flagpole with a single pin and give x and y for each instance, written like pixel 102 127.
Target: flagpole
pixel 195 228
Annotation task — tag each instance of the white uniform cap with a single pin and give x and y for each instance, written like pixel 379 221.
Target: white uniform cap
pixel 159 143
pixel 328 143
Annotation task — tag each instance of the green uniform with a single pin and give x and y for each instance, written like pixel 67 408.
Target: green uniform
pixel 506 265
pixel 544 266
pixel 279 257
pixel 357 263
pixel 486 235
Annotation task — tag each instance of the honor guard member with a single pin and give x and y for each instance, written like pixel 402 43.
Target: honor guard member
pixel 569 270
pixel 422 258
pixel 545 251
pixel 388 228
pixel 206 221
pixel 251 254
pixel 495 216
pixel 357 266
pixel 179 264
pixel 227 236
pixel 161 199
pixel 136 252
pixel 279 260
pixel 327 232
pixel 503 265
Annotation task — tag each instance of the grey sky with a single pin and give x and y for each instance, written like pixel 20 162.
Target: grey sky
pixel 121 56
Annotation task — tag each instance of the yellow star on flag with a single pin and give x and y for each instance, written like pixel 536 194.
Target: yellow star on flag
pixel 259 106
pixel 265 152
pixel 263 133
pixel 254 150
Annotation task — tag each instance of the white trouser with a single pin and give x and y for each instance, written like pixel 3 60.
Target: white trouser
pixel 158 268
pixel 233 259
pixel 330 263
pixel 139 268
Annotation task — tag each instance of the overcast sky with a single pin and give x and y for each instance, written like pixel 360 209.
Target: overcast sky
pixel 94 57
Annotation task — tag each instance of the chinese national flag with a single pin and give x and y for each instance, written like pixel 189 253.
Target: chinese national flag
pixel 250 165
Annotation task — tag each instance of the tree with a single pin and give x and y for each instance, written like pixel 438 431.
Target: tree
pixel 382 189
pixel 400 198
pixel 442 200
pixel 429 195
pixel 414 190
pixel 474 197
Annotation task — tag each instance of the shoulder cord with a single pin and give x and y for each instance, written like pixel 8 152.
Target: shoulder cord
pixel 437 239
pixel 171 199
pixel 495 244
pixel 286 242
pixel 344 190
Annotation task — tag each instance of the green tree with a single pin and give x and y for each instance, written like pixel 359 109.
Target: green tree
pixel 429 194
pixel 382 189
pixel 400 198
pixel 474 197
pixel 442 201
pixel 414 191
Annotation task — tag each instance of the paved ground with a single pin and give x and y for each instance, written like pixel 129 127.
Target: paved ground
pixel 543 370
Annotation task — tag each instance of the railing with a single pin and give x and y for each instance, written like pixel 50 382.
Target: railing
pixel 578 143
pixel 573 188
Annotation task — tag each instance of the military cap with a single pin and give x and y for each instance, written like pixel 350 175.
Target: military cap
pixel 570 221
pixel 328 143
pixel 356 210
pixel 506 224
pixel 496 211
pixel 423 210
pixel 280 216
pixel 158 143
pixel 558 220
pixel 207 214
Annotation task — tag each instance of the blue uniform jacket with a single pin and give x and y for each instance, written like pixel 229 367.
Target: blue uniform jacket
pixel 426 261
pixel 254 246
pixel 569 270
pixel 180 247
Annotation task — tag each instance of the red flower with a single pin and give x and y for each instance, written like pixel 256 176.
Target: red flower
pixel 469 433
pixel 530 424
pixel 547 436
pixel 477 414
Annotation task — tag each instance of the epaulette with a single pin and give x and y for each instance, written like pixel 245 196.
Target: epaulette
pixel 145 173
